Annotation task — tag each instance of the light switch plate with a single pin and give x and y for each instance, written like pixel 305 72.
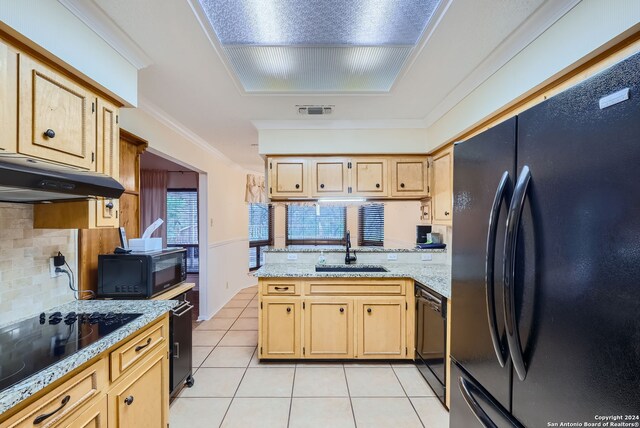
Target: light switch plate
pixel 426 257
pixel 392 256
pixel 292 257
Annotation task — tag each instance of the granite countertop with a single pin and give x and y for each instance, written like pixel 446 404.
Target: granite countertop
pixel 436 276
pixel 150 310
pixel 342 249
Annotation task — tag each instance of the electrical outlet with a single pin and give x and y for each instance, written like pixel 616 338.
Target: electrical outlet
pixel 426 257
pixel 52 269
pixel 392 256
pixel 292 257
pixel 227 284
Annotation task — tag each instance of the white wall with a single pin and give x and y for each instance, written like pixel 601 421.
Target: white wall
pixel 341 141
pixel 579 35
pixel 50 25
pixel 226 234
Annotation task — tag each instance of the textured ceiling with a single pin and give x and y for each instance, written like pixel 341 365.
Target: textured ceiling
pixel 319 22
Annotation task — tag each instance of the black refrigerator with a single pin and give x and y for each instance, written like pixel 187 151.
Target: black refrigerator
pixel 546 261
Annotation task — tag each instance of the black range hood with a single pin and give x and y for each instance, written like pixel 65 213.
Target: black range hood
pixel 27 180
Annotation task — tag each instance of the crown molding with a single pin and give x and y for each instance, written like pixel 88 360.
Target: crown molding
pixel 163 117
pixel 97 20
pixel 543 18
pixel 339 124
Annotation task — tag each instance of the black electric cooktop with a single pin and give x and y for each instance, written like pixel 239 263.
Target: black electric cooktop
pixel 36 343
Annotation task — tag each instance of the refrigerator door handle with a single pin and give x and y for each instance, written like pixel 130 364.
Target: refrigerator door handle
pixel 476 408
pixel 468 390
pixel 489 268
pixel 511 240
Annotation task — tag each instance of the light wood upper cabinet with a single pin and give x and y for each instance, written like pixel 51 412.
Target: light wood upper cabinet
pixel 381 327
pixel 329 177
pixel 369 177
pixel 442 182
pixel 281 328
pixel 8 98
pixel 57 116
pixel 328 328
pixel 108 148
pixel 372 177
pixel 288 177
pixel 409 177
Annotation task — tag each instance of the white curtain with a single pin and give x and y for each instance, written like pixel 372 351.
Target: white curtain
pixel 255 192
pixel 153 201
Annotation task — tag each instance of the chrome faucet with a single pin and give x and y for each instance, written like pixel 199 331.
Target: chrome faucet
pixel 348 259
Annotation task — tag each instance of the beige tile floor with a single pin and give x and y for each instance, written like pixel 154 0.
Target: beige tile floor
pixel 233 389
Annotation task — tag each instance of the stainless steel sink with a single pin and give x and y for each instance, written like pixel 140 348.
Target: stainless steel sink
pixel 350 268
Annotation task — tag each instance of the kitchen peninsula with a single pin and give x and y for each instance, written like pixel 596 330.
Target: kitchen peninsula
pixel 359 311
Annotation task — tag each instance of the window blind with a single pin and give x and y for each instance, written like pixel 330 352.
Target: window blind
pixel 182 224
pixel 312 225
pixel 260 233
pixel 371 225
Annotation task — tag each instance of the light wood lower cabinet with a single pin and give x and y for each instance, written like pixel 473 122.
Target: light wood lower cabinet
pixel 86 399
pixel 328 328
pixel 381 327
pixel 138 400
pixel 63 402
pixel 337 318
pixel 94 417
pixel 280 328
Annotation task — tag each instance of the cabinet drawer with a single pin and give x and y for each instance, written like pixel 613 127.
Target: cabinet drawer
pixel 94 417
pixel 350 287
pixel 126 356
pixel 66 400
pixel 289 288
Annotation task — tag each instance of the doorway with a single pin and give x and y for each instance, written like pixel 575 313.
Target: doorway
pixel 172 191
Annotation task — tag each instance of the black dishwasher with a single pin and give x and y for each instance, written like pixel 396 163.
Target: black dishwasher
pixel 431 338
pixel 181 341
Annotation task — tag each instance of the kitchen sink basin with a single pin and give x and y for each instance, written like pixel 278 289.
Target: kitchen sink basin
pixel 347 268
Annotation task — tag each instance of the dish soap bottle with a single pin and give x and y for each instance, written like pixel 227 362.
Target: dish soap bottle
pixel 322 259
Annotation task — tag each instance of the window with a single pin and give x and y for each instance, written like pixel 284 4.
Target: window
pixel 371 225
pixel 260 233
pixel 182 224
pixel 316 225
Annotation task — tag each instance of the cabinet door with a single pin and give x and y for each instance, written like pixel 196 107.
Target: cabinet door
pixel 57 117
pixel 108 162
pixel 409 178
pixel 381 328
pixel 328 328
pixel 281 328
pixel 8 99
pixel 369 177
pixel 442 192
pixel 94 417
pixel 142 398
pixel 329 177
pixel 288 177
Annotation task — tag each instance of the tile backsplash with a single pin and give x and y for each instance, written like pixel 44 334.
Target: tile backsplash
pixel 26 287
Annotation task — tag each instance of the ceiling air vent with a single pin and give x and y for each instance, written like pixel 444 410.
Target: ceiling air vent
pixel 314 110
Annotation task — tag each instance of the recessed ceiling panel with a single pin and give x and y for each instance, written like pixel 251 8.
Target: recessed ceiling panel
pixel 317 69
pixel 318 45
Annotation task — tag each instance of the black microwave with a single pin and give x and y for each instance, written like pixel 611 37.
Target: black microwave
pixel 141 275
